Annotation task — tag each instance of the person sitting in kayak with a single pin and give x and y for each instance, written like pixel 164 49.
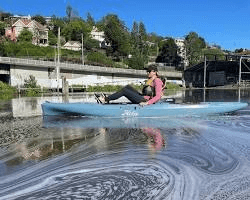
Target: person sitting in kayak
pixel 151 93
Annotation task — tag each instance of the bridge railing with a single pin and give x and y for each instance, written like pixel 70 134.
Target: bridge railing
pixel 79 67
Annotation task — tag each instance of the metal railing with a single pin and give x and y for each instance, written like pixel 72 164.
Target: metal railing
pixel 79 67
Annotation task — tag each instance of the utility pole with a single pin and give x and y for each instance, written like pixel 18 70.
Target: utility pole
pixel 82 51
pixel 240 71
pixel 58 61
pixel 205 71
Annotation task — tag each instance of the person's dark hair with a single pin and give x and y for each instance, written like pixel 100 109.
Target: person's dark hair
pixel 152 68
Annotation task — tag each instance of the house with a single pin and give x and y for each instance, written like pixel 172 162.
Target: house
pixel 180 42
pixel 40 32
pixel 73 45
pixel 100 36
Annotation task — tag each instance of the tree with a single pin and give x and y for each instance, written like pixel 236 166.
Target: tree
pixel 71 13
pixel 155 40
pixel 194 45
pixel 213 53
pixel 139 48
pixel 74 30
pixel 4 15
pixel 134 33
pixel 52 38
pixel 169 53
pixel 25 36
pixel 117 35
pixel 39 19
pixel 2 28
pixel 239 50
pixel 142 32
pixel 153 37
pixel 90 20
pixel 55 23
pixel 31 82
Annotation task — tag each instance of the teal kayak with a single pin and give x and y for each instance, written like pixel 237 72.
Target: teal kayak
pixel 134 110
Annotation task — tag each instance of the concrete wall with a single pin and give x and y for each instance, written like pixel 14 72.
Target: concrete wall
pixel 18 75
pixel 76 74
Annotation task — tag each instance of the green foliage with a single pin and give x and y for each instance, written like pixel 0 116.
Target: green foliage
pixel 211 53
pixel 168 52
pixel 69 11
pixel 97 58
pixel 52 38
pixel 39 19
pixel 137 61
pixel 55 23
pixel 105 88
pixel 9 49
pixel 139 48
pixel 31 82
pixel 172 86
pixel 142 47
pixel 32 89
pixel 6 91
pixel 114 88
pixel 90 20
pixel 4 15
pixel 2 28
pixel 25 36
pixel 91 43
pixel 117 35
pixel 26 49
pixel 74 29
pixel 194 46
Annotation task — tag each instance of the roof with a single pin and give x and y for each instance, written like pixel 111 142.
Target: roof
pixel 29 23
pixel 213 65
pixel 73 43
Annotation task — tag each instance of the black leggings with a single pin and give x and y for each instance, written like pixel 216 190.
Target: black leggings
pixel 130 93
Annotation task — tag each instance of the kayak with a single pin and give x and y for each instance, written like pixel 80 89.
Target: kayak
pixel 134 110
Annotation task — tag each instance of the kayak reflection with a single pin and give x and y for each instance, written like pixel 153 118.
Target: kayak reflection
pixel 105 122
pixel 61 134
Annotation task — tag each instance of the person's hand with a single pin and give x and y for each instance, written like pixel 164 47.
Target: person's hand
pixel 143 104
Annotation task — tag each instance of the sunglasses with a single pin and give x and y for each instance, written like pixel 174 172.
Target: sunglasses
pixel 150 71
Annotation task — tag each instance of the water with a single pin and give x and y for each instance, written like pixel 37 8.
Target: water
pixel 188 158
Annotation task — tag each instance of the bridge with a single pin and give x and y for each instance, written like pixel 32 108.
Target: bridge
pixel 17 70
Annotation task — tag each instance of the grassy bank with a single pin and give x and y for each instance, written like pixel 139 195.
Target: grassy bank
pixel 114 88
pixel 8 92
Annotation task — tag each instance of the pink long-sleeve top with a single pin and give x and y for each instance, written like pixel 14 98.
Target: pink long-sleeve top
pixel 158 85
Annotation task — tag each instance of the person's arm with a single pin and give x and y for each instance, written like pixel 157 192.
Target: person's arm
pixel 158 91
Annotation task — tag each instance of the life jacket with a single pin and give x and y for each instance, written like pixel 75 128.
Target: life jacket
pixel 149 90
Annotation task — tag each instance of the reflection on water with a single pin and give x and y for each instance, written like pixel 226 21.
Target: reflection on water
pixel 129 158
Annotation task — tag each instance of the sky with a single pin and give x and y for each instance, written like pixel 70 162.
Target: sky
pixel 221 22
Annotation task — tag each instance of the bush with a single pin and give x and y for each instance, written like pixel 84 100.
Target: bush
pixel 97 57
pixel 105 88
pixel 172 86
pixel 32 88
pixel 100 59
pixel 6 91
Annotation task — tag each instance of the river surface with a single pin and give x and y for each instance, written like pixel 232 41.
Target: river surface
pixel 77 158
